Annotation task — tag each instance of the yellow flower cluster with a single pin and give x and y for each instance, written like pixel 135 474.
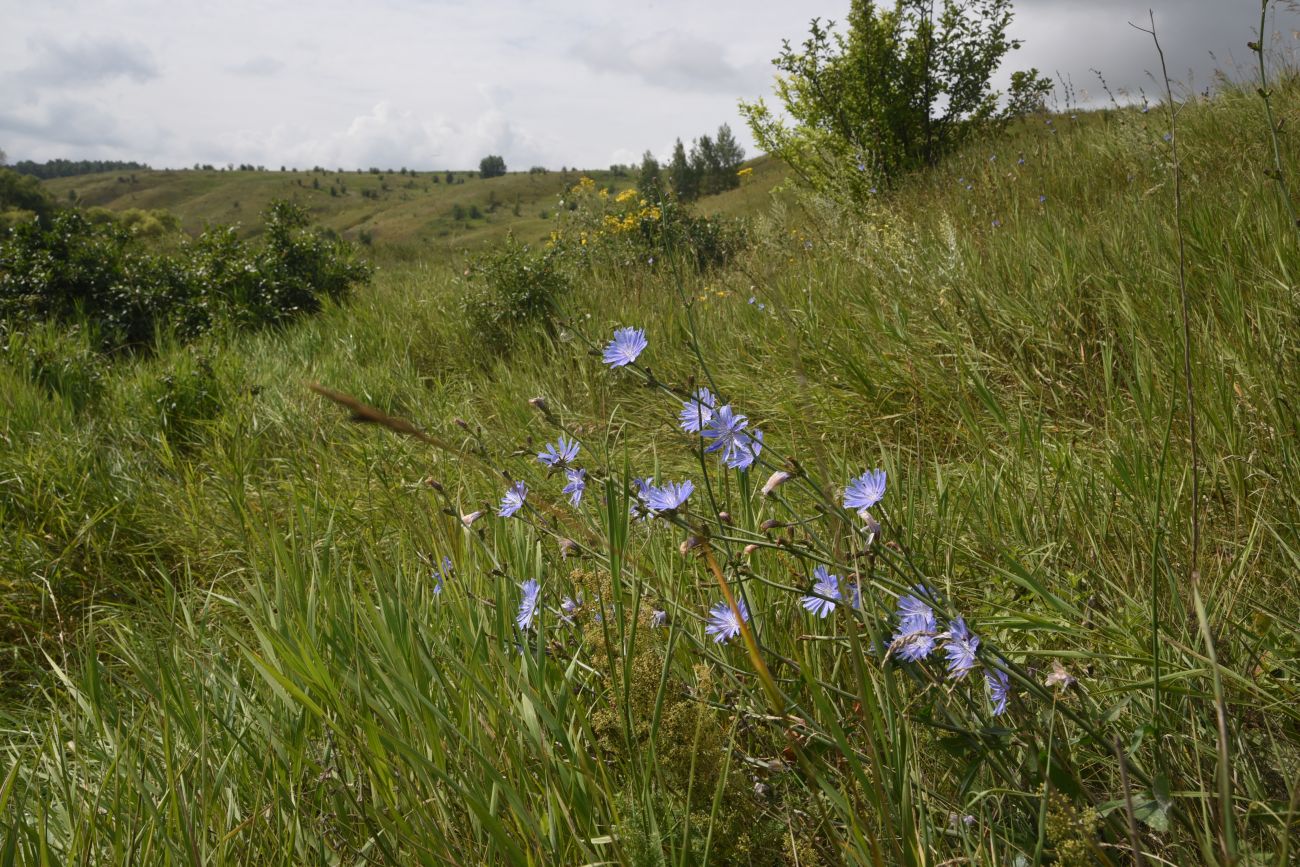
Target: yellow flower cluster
pixel 745 172
pixel 629 221
pixel 626 196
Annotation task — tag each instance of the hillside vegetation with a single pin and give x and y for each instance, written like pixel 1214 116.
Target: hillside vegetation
pixel 418 211
pixel 246 629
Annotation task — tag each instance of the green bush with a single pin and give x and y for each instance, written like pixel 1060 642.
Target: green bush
pixel 513 289
pixel 902 89
pixel 78 268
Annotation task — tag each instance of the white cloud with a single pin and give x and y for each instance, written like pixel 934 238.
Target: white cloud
pixel 670 59
pixel 86 61
pixel 387 136
pixel 258 67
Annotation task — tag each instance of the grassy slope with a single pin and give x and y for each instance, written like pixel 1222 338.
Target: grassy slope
pixel 267 675
pixel 412 211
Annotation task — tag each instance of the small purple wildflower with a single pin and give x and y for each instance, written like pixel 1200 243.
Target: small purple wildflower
pixel 723 623
pixel 724 427
pixel 627 344
pixel 441 573
pixel 865 491
pixel 698 409
pixel 999 686
pixel 825 593
pixel 668 497
pixel 577 479
pixel 528 604
pixel 745 451
pixel 917 626
pixel 570 604
pixel 513 500
pixel 853 594
pixel 960 647
pixel 559 453
pixel 1042 199
pixel 659 619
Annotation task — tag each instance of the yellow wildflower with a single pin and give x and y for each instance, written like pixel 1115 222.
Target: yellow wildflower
pixel 745 172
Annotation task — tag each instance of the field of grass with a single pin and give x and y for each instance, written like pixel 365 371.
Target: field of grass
pixel 411 211
pixel 232 638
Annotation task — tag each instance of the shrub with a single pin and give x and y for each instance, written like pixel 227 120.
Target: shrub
pixel 77 271
pixel 903 88
pixel 514 289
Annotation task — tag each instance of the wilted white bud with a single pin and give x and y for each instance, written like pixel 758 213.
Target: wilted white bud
pixel 750 549
pixel 434 484
pixel 1059 676
pixel 469 519
pixel 460 423
pixel 776 480
pixel 567 547
pixel 724 517
pixel 689 543
pixel 538 403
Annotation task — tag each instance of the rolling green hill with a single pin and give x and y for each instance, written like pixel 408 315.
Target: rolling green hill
pixel 238 627
pixel 413 209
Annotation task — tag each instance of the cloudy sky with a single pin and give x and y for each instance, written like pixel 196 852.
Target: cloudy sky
pixel 441 83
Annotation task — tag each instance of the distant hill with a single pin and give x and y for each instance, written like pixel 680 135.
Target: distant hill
pixel 390 208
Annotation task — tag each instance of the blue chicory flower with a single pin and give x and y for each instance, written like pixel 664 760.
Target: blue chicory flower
pixel 559 453
pixel 865 491
pixel 723 624
pixel 825 593
pixel 960 646
pixel 917 626
pixel 668 497
pixel 697 410
pixel 513 499
pixel 745 450
pixel 577 483
pixel 528 604
pixel 439 574
pixel 999 686
pixel 627 344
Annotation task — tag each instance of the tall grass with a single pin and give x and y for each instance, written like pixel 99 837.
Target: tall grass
pixel 251 663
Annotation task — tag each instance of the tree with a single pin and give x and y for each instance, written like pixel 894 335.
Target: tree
pixel 681 175
pixel 730 156
pixel 899 91
pixel 492 166
pixel 649 182
pixel 24 193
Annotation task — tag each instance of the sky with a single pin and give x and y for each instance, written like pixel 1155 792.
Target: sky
pixel 441 83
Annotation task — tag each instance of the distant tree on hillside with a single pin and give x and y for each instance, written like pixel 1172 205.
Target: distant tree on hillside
pixel 681 175
pixel 492 166
pixel 730 155
pixel 451 176
pixel 24 193
pixel 69 168
pixel 649 181
pixel 4 158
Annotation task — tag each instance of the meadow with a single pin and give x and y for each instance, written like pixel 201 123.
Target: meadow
pixel 416 213
pixel 242 627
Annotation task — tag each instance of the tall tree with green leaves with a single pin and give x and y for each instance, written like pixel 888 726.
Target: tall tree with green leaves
pixel 899 90
pixel 649 179
pixel 681 175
